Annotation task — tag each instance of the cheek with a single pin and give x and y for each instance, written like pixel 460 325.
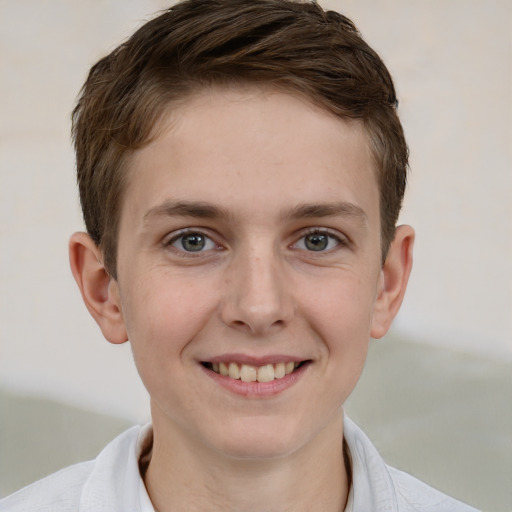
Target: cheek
pixel 162 322
pixel 163 315
pixel 341 316
pixel 340 308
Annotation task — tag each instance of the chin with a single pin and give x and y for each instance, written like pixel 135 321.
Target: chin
pixel 259 440
pixel 258 449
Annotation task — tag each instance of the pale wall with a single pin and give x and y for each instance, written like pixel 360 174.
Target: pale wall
pixel 452 64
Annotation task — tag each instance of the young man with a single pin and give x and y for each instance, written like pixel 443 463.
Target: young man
pixel 241 169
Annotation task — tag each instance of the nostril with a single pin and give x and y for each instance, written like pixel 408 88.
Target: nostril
pixel 257 317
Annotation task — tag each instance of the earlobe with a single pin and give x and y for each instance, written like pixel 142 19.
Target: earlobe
pixel 100 292
pixel 393 281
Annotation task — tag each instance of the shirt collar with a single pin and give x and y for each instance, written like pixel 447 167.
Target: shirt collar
pixel 372 487
pixel 116 485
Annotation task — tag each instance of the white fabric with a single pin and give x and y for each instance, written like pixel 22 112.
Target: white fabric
pixel 378 487
pixel 112 483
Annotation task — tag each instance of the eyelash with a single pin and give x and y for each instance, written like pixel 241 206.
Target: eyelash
pixel 170 243
pixel 340 241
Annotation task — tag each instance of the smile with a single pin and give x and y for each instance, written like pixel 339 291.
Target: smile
pixel 250 373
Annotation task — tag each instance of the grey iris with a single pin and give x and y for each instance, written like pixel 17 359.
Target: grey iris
pixel 193 242
pixel 316 241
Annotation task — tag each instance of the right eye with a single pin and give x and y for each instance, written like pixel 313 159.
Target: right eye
pixel 192 241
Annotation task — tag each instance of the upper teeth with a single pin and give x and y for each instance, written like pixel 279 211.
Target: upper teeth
pixel 249 373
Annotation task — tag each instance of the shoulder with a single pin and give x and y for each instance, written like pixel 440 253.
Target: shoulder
pixel 377 486
pixel 412 495
pixel 92 486
pixel 59 492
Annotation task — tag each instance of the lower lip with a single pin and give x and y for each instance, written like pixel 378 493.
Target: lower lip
pixel 258 389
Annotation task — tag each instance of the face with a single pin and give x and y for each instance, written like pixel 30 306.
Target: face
pixel 249 244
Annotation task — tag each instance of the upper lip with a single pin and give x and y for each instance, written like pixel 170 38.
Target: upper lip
pixel 255 360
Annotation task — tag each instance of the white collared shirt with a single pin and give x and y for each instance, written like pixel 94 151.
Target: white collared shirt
pixel 112 482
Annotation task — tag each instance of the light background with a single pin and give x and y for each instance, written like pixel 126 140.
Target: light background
pixel 452 64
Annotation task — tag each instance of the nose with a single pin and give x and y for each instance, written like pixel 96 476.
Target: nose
pixel 257 294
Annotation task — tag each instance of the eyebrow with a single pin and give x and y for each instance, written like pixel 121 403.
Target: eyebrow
pixel 200 210
pixel 204 210
pixel 338 209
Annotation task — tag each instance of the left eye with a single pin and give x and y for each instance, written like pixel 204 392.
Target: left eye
pixel 317 241
pixel 193 242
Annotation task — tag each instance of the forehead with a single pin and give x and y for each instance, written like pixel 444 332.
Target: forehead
pixel 228 144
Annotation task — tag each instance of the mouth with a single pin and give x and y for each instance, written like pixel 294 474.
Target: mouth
pixel 250 373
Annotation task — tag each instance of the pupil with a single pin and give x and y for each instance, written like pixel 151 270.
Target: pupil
pixel 194 242
pixel 316 242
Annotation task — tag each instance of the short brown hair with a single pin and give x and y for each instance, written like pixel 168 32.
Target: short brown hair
pixel 294 46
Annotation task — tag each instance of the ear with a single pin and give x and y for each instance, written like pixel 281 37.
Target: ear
pixel 100 292
pixel 393 281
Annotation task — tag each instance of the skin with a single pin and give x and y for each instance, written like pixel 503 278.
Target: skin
pixel 252 172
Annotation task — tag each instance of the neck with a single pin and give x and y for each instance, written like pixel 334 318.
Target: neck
pixel 184 477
